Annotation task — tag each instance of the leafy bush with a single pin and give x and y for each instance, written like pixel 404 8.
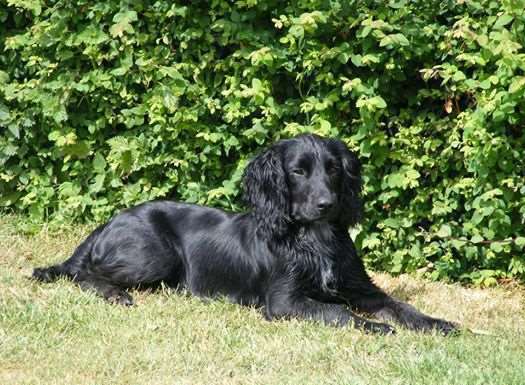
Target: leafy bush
pixel 106 104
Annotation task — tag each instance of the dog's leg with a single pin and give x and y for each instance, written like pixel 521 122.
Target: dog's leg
pixel 110 292
pixel 356 288
pixel 287 306
pixel 388 309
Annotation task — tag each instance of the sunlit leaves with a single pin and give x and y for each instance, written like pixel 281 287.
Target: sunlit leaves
pixel 123 23
pixel 104 105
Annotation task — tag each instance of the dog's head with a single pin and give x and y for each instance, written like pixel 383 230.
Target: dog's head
pixel 304 180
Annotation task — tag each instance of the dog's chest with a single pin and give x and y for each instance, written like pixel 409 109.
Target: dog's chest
pixel 316 267
pixel 326 276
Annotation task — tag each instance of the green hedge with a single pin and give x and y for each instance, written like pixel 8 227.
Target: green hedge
pixel 106 104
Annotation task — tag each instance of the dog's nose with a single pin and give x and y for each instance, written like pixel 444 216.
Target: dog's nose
pixel 325 204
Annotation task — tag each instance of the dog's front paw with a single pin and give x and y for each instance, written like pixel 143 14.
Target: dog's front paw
pixel 378 327
pixel 445 327
pixel 44 274
pixel 120 297
pixel 429 324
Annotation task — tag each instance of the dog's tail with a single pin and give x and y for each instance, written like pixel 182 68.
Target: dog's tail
pixel 73 268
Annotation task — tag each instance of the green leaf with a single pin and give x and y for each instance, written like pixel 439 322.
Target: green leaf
pixel 13 128
pixel 412 175
pixel 444 231
pixel 79 150
pixel 458 244
pixel 122 24
pixel 400 39
pixel 297 31
pixel 98 184
pixel 377 101
pixel 477 239
pixel 5 117
pixel 99 163
pixel 371 242
pixel 518 84
pixel 496 247
pixel 396 180
pixel 394 39
pixel 357 60
pixel 392 222
pixel 397 4
pixel 503 20
pixel 387 40
pixel 126 15
pixel 459 76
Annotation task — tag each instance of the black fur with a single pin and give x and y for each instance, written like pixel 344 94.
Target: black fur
pixel 291 254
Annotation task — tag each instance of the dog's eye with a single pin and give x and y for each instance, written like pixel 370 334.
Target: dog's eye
pixel 298 171
pixel 332 169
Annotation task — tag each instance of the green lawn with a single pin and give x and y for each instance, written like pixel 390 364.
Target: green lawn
pixel 56 333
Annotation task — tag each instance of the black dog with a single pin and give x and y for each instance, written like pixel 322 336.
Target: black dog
pixel 291 254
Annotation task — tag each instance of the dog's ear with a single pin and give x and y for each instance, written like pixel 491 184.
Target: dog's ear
pixel 350 204
pixel 266 191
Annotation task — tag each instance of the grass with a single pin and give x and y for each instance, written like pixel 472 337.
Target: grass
pixel 58 334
